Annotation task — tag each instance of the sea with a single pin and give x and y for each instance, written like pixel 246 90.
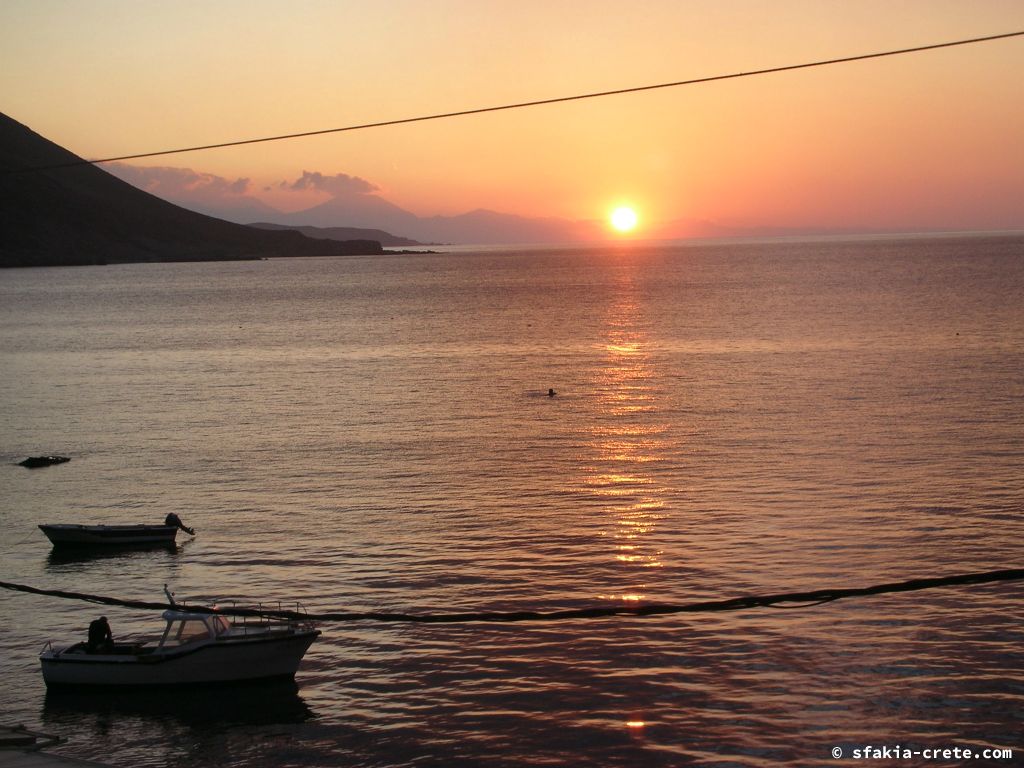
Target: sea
pixel 376 434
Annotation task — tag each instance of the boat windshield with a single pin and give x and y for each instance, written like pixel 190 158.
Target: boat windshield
pixel 186 631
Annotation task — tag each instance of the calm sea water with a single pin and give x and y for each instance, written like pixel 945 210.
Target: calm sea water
pixel 374 434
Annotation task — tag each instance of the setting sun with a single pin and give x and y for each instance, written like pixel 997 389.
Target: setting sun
pixel 623 219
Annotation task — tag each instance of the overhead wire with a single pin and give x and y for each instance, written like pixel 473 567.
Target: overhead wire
pixel 535 103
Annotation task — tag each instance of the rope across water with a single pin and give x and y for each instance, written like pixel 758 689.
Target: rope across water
pixel 780 600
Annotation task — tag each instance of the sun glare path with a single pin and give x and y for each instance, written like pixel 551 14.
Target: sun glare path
pixel 623 219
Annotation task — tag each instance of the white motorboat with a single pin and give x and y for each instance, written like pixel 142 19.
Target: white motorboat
pixel 195 649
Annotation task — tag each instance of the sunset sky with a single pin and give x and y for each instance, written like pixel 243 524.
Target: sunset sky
pixel 929 140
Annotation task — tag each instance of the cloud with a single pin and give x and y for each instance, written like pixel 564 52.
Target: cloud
pixel 206 193
pixel 178 182
pixel 338 185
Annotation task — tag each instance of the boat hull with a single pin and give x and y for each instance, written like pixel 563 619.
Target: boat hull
pixel 218 662
pixel 110 535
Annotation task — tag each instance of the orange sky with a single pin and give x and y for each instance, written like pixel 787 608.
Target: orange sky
pixel 924 141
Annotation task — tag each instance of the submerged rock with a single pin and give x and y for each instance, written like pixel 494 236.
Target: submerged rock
pixel 42 461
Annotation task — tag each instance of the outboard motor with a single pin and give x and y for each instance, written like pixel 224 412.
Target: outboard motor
pixel 173 519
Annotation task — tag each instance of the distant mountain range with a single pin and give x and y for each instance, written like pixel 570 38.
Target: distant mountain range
pixel 354 209
pixel 476 227
pixel 483 227
pixel 83 215
pixel 353 205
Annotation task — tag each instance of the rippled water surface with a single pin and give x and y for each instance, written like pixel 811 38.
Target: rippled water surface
pixel 375 434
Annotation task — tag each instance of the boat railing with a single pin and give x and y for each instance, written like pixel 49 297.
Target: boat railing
pixel 262 621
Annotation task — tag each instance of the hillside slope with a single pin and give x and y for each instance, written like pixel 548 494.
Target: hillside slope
pixel 83 215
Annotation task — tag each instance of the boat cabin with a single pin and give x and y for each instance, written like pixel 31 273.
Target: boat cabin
pixel 183 628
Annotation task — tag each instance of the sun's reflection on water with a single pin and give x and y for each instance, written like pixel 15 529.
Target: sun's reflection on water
pixel 627 443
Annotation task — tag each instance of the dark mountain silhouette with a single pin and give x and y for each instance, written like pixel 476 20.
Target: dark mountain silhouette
pixel 343 233
pixel 354 209
pixel 83 215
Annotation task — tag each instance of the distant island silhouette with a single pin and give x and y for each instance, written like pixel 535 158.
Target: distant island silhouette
pixel 344 234
pixel 83 215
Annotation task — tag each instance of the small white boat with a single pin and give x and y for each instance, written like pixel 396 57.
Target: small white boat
pixel 195 649
pixel 70 535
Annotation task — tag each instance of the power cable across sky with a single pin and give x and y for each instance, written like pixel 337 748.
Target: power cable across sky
pixel 539 102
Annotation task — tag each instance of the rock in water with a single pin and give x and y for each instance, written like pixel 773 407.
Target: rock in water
pixel 42 461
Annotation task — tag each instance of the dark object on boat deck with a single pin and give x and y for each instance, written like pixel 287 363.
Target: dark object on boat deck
pixel 551 393
pixel 42 461
pixel 173 520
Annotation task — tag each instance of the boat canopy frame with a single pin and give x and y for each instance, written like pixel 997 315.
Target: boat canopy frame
pixel 184 628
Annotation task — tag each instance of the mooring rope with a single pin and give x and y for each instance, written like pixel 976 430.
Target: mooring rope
pixel 816 597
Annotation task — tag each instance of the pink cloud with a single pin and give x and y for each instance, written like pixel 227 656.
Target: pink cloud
pixel 178 182
pixel 338 185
